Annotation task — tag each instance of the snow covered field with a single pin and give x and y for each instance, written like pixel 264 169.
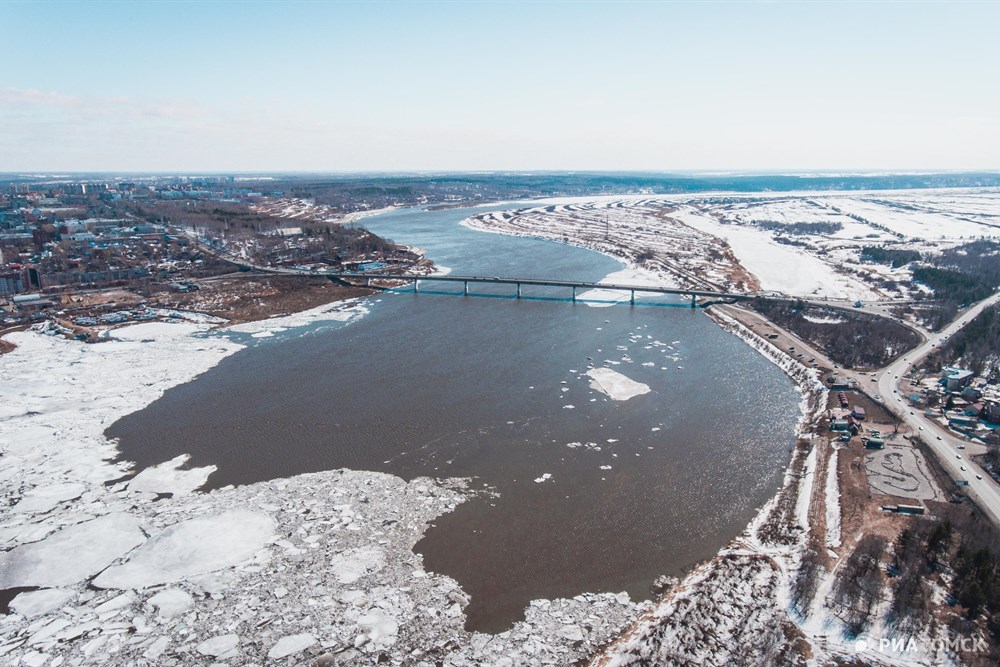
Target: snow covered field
pixel 802 244
pixel 778 268
pixel 292 209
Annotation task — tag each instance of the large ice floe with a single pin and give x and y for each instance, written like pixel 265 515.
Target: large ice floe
pixel 123 567
pixel 615 385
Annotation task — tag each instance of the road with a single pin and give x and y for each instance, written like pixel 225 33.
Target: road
pixel 943 442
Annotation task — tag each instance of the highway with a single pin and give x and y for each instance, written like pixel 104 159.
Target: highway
pixel 940 439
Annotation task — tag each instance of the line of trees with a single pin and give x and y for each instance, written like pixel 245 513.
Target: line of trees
pixel 813 228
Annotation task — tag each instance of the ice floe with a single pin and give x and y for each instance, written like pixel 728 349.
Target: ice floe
pixel 615 385
pixel 192 547
pixel 36 603
pixel 169 478
pixel 72 554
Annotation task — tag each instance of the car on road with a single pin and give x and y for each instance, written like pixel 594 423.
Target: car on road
pixel 920 428
pixel 961 446
pixel 962 467
pixel 979 476
pixel 911 412
pixel 958 456
pixel 939 437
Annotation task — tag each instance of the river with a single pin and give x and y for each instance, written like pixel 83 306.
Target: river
pixel 493 388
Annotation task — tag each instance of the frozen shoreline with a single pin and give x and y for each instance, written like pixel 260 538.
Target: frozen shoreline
pixel 285 570
pixel 735 606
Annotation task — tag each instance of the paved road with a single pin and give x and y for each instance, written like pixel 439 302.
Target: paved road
pixel 941 440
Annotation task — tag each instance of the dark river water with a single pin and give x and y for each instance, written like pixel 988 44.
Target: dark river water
pixel 441 385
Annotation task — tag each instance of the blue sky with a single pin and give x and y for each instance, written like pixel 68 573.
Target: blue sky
pixel 368 86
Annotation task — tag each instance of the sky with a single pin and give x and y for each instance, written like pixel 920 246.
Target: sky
pixel 469 86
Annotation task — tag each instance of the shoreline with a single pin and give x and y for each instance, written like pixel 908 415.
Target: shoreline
pixel 757 567
pixel 66 483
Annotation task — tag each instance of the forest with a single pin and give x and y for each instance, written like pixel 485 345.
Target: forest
pixel 850 339
pixel 958 277
pixel 975 346
pixel 894 257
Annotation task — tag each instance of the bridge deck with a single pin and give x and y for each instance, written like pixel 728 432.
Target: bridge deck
pixel 542 282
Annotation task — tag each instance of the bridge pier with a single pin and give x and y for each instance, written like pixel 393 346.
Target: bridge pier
pixel 465 291
pixel 368 281
pixel 519 290
pixel 694 303
pixel 416 285
pixel 574 295
pixel 631 299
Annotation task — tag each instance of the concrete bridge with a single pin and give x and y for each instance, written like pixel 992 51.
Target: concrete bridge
pixel 573 285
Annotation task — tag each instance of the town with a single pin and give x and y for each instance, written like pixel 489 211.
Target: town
pixel 86 254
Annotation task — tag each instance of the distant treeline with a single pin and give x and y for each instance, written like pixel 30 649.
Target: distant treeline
pixel 349 193
pixel 815 228
pixel 551 182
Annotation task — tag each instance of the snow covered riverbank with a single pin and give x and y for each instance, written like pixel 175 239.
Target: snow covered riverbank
pixel 277 572
pixel 734 609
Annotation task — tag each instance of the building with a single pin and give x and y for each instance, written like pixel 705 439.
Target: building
pixel 972 394
pixel 955 379
pixel 11 282
pixel 838 382
pixel 838 425
pixel 874 443
pixel 962 422
pixel 31 303
pixel 858 413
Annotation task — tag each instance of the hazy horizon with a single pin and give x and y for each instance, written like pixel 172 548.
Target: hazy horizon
pixel 500 87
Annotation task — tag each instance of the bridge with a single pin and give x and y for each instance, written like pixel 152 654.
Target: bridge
pixel 573 285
